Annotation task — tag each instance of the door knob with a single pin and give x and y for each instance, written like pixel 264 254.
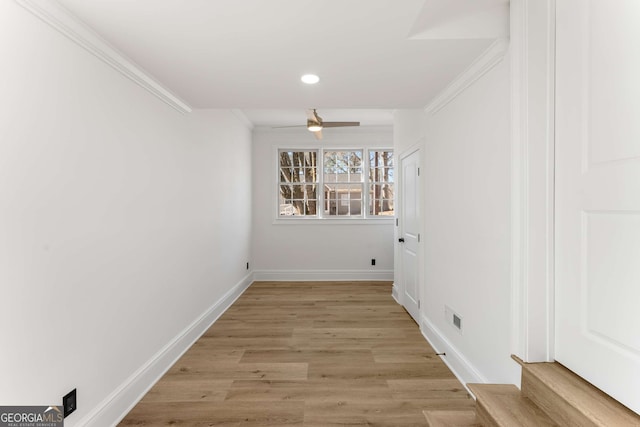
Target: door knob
pixel 401 240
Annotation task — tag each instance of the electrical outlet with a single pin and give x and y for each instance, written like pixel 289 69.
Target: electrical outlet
pixel 373 261
pixel 69 402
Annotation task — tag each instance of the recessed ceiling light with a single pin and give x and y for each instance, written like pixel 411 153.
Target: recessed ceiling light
pixel 310 79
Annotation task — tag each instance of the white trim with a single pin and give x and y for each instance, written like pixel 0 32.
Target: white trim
pixel 518 179
pixel 532 178
pixel 394 294
pixel 479 67
pixel 454 359
pixel 243 118
pixel 52 13
pixel 380 220
pixel 115 407
pixel 323 275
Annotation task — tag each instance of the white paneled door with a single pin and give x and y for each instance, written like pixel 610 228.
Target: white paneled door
pixel 409 236
pixel 598 194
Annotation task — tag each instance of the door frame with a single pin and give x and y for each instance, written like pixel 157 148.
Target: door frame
pixel 398 286
pixel 532 178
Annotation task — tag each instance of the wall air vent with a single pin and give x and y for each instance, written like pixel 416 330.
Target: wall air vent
pixel 452 318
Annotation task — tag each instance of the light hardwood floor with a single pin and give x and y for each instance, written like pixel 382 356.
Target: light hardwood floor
pixel 306 354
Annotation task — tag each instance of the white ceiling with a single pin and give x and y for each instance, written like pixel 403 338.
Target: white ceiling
pixel 371 55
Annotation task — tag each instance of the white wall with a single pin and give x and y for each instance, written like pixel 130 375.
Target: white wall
pixel 121 220
pixel 336 249
pixel 467 224
pixel 408 129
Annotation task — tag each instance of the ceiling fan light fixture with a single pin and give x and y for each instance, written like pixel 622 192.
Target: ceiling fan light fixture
pixel 310 79
pixel 314 127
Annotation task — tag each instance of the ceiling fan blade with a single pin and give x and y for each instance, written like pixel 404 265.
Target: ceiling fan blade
pixel 314 120
pixel 339 124
pixel 312 115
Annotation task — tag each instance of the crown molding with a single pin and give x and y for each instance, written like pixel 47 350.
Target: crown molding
pixel 479 67
pixel 52 13
pixel 240 115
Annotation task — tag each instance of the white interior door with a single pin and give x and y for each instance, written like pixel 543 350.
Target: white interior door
pixel 409 236
pixel 598 194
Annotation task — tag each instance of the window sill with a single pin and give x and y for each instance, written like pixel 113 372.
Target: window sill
pixel 334 221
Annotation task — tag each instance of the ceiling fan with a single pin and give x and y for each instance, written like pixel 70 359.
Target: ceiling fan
pixel 315 124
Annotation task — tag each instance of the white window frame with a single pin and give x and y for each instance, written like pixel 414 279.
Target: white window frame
pixel 320 216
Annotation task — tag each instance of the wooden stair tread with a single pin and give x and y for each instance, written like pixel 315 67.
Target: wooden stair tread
pixel 441 418
pixel 570 399
pixel 504 405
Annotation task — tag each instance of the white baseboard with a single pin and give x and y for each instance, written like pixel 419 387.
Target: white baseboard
pixel 394 293
pixel 114 408
pixel 454 359
pixel 322 275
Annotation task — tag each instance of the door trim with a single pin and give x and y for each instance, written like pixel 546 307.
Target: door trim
pixel 532 178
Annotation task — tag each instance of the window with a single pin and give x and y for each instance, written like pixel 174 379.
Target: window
pixel 298 183
pixel 343 183
pixel 381 183
pixel 353 183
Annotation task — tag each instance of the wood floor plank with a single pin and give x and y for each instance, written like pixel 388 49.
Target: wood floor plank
pixel 257 312
pixel 224 323
pixel 348 333
pixel 349 312
pixel 205 351
pixel 316 390
pixel 252 343
pixel 356 343
pixel 400 323
pixel 245 414
pixel 363 412
pixel 242 371
pixel 404 354
pixel 249 332
pixel 306 354
pixel 452 418
pixel 446 404
pixel 445 388
pixel 379 371
pixel 176 389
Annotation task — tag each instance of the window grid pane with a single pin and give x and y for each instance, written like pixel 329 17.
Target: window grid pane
pixel 343 183
pixel 381 178
pixel 298 183
pixel 343 199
